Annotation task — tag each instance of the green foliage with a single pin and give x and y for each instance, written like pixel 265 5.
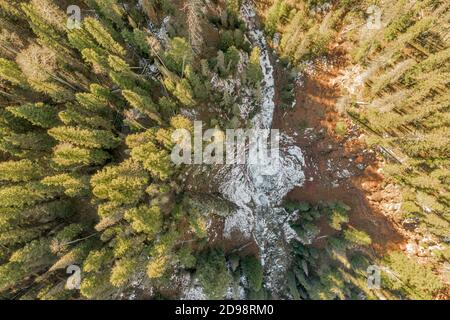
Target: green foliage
pixel 124 184
pixel 341 128
pixel 143 103
pixel 232 58
pixel 11 72
pixel 252 269
pixel 186 257
pixel 338 216
pixel 291 206
pixel 72 185
pixel 31 145
pixel 101 139
pixel 38 114
pixel 96 286
pixel 399 25
pixel 20 171
pixel 154 158
pixel 110 9
pixel 213 274
pixel 413 280
pixel 277 13
pixel 122 271
pixel 31 193
pixel 145 219
pixel 165 5
pixel 138 39
pixel 97 259
pixel 292 286
pixel 254 72
pixel 358 237
pixel 179 55
pixel 103 36
pixel 67 155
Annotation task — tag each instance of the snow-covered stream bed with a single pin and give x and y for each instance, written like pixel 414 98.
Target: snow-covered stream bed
pixel 256 189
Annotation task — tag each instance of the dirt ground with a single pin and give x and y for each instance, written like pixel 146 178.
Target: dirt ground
pixel 338 167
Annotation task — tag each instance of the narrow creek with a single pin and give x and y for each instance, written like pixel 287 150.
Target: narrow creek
pixel 258 189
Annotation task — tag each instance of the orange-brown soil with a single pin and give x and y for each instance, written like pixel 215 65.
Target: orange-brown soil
pixel 338 168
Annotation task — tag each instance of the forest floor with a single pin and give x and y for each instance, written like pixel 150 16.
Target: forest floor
pixel 339 167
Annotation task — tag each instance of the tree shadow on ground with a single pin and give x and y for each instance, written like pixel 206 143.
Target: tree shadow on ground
pixel 337 168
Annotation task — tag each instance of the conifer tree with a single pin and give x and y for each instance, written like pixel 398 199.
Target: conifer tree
pixel 110 9
pixel 11 72
pixel 124 184
pixel 145 219
pixel 20 171
pixel 143 103
pixel 254 72
pixel 38 114
pixel 213 275
pixel 68 155
pixel 122 271
pixel 72 185
pixel 90 138
pixel 103 36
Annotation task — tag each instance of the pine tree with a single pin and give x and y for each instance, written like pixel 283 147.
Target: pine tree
pixel 67 155
pixel 252 269
pixel 20 171
pixel 42 213
pixel 48 23
pixel 358 237
pixel 421 281
pixel 277 12
pixel 213 274
pixel 96 285
pixel 138 39
pixel 124 184
pixel 33 256
pixel 89 138
pixel 72 185
pixel 110 9
pixel 122 271
pixel 73 257
pixel 97 259
pixel 145 219
pixel 338 216
pixel 30 145
pixel 103 36
pixel 43 71
pixel 143 103
pixel 254 72
pixel 31 193
pixel 154 159
pixel 179 55
pixel 232 58
pixel 157 266
pixel 38 114
pixel 97 60
pixel 92 102
pixel 11 72
pixel 74 115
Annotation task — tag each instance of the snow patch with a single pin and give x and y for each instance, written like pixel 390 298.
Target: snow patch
pixel 258 189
